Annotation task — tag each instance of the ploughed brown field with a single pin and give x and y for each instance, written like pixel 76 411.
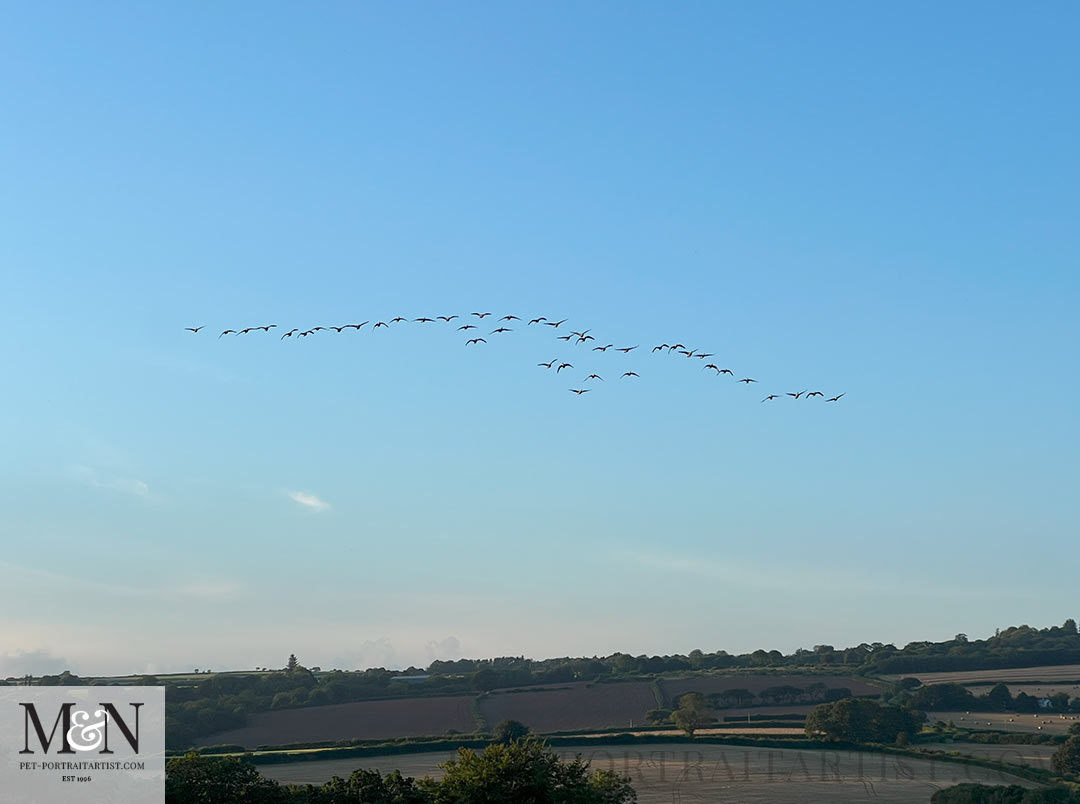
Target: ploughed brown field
pixel 571 707
pixel 584 706
pixel 401 717
pixel 708 685
pixel 1061 672
pixel 688 772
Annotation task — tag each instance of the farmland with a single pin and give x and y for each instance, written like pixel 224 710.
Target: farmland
pixel 585 706
pixel 386 719
pixel 1005 721
pixel 666 772
pixel 1051 673
pixel 545 709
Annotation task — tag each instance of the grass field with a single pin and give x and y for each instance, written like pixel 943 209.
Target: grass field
pixel 1051 673
pixel 1042 723
pixel 401 717
pixel 687 772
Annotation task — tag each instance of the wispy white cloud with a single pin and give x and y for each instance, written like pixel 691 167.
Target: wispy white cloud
pixel 102 480
pixel 309 500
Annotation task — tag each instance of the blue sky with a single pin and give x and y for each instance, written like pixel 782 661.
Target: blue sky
pixel 879 201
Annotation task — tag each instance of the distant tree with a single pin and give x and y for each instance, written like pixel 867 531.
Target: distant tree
pixel 860 720
pixel 837 693
pixel 816 691
pixel 737 696
pixel 960 638
pixel 999 698
pixel 942 696
pixel 1066 760
pixel 485 679
pixel 692 714
pixel 292 665
pixel 508 731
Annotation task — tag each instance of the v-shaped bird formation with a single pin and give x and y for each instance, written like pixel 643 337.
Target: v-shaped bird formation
pixel 579 339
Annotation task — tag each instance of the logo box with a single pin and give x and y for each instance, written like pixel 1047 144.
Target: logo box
pixel 67 745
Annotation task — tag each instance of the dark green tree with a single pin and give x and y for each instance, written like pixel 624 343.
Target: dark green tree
pixel 525 772
pixel 1066 760
pixel 860 720
pixel 510 730
pixel 692 714
pixel 195 779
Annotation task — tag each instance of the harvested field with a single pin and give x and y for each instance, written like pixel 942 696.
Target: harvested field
pixel 1035 756
pixel 402 717
pixel 1048 673
pixel 708 685
pixel 689 772
pixel 591 706
pixel 1041 723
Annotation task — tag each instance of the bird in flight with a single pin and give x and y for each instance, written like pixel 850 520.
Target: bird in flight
pixel 424 320
pixel 380 324
pixel 466 326
pixel 500 329
pixel 562 366
pixel 269 327
pixel 579 391
pixel 746 380
pixel 550 364
pixel 703 355
pixel 537 320
pixel 631 374
pixel 594 377
pixel 626 349
pixel 835 398
pixel 727 371
pixel 585 338
pixel 661 346
pixel 194 329
pixel 509 318
pixel 814 393
pixel 771 396
pixel 290 333
pixel 602 348
pixel 448 318
pixel 675 346
pixel 475 340
pixel 712 366
pixel 481 315
pixel 688 354
pixel 336 329
pixel 306 333
pixel 581 334
pixel 246 331
pixel 795 396
pixel 398 320
pixel 565 337
pixel 555 323
pixel 356 326
pixel 227 332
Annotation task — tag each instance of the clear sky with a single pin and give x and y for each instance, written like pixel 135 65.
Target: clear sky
pixel 875 199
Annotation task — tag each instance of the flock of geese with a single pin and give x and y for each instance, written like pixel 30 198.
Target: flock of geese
pixel 579 338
